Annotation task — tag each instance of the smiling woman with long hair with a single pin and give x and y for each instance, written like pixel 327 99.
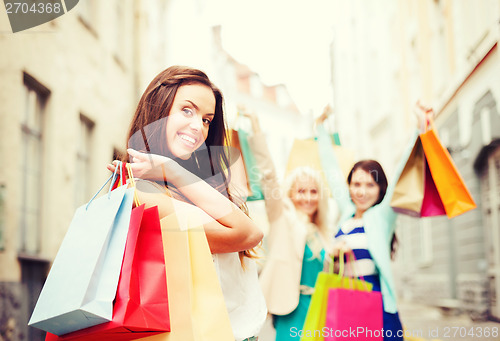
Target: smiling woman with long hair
pixel 177 142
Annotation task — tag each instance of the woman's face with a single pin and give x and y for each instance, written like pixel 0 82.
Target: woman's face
pixel 363 189
pixel 305 195
pixel 189 119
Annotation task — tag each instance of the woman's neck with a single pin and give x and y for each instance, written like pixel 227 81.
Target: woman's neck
pixel 358 214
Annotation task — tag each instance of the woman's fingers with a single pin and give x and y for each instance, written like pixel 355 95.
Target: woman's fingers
pixel 136 154
pixel 138 157
pixel 112 166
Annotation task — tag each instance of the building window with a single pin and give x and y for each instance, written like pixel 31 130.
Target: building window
pixel 119 31
pixel 87 13
pixel 35 97
pixel 83 160
pixel 490 202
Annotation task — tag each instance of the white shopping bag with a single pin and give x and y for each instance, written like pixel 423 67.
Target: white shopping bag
pixel 82 282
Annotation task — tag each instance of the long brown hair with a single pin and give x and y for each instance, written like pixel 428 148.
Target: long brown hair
pixel 147 131
pixel 374 168
pixel 148 127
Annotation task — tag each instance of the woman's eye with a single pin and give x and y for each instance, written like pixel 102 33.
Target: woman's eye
pixel 187 112
pixel 207 121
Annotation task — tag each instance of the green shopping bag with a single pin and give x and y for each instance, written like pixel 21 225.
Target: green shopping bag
pixel 239 140
pixel 316 314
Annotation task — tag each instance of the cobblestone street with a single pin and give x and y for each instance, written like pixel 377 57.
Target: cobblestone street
pixel 428 323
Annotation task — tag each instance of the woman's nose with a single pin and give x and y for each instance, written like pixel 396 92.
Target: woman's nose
pixel 360 192
pixel 196 123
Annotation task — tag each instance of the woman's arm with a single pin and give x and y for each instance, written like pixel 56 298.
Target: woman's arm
pixel 399 169
pixel 333 173
pixel 243 235
pixel 271 188
pixel 422 114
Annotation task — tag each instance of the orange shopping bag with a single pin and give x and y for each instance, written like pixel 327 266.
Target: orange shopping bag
pixel 452 190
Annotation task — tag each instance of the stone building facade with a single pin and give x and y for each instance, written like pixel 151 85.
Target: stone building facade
pixel 68 90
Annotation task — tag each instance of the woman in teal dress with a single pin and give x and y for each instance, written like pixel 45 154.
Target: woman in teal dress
pixel 283 324
pixel 295 244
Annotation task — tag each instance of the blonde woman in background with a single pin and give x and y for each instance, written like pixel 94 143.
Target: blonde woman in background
pixel 296 241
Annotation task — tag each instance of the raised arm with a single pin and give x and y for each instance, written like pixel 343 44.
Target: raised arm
pixel 271 188
pixel 399 168
pixel 422 114
pixel 333 172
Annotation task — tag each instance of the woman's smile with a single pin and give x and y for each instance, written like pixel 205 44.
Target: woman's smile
pixel 189 140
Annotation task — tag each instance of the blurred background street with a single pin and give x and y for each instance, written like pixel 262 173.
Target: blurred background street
pixel 424 322
pixel 70 86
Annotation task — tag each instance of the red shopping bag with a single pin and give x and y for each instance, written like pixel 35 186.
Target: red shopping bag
pixel 431 204
pixel 141 304
pixel 354 315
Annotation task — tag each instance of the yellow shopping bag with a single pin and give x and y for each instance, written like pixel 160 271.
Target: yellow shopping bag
pixel 197 307
pixel 305 152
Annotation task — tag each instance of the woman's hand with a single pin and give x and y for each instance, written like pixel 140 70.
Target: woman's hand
pixel 145 166
pixel 253 119
pixel 324 115
pixel 334 254
pixel 424 114
pixel 338 248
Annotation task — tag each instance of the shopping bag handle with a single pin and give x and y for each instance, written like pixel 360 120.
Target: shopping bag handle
pixel 112 178
pixel 351 260
pixel 428 114
pixel 341 264
pixel 132 184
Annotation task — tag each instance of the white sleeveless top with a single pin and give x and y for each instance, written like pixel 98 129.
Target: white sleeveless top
pixel 245 302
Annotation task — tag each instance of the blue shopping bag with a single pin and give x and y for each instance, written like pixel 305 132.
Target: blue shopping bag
pixel 82 282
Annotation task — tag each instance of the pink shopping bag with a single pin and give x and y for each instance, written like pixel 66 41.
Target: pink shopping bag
pixel 431 204
pixel 354 315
